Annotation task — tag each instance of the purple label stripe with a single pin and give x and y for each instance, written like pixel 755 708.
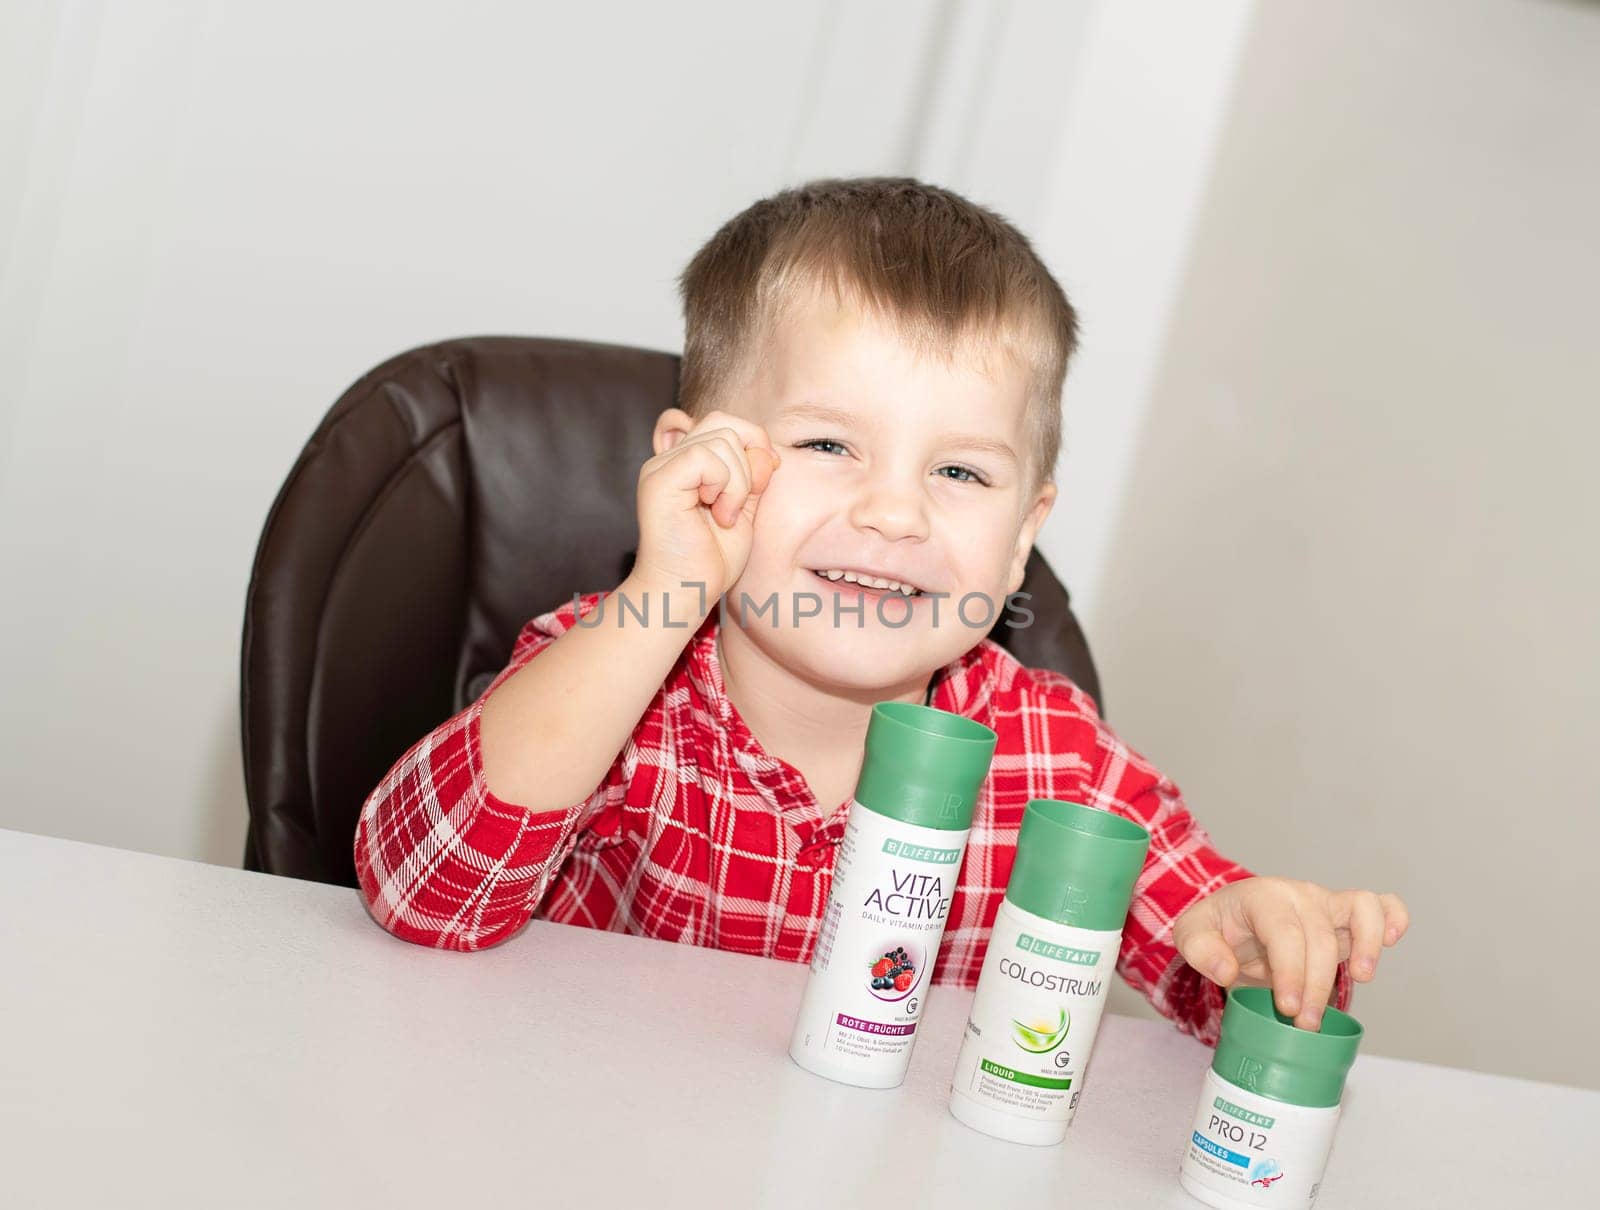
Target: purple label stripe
pixel 874 1027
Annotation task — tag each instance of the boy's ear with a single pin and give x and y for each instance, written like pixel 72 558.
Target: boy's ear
pixel 672 426
pixel 1031 524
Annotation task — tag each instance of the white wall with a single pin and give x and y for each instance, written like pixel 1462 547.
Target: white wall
pixel 1351 598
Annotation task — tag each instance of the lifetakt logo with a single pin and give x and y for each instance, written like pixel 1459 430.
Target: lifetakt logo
pixel 917 852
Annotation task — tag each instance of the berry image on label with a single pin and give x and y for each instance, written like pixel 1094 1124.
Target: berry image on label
pixel 893 972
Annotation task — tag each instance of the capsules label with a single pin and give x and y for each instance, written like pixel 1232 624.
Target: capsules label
pixel 1256 1151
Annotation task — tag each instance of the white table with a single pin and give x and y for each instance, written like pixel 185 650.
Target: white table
pixel 177 1035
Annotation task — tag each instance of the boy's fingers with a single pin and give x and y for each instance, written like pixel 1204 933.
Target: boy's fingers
pixel 704 474
pixel 747 437
pixel 727 507
pixel 1396 917
pixel 1366 924
pixel 1285 939
pixel 1211 955
pixel 1322 966
pixel 723 491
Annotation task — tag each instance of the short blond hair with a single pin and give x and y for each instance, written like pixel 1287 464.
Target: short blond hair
pixel 947 274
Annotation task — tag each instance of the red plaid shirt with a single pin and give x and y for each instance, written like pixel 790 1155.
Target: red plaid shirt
pixel 698 835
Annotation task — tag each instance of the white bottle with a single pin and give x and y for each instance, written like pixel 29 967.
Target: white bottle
pixel 1051 958
pixel 893 880
pixel 1269 1106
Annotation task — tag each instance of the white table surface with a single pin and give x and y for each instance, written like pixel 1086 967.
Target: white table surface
pixel 175 1035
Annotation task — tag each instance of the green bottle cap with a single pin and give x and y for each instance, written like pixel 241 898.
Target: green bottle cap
pixel 1076 865
pixel 1262 1050
pixel 924 766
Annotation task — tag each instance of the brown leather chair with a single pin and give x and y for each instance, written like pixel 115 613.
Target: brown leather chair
pixel 450 495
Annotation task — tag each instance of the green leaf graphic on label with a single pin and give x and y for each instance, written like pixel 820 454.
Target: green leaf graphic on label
pixel 1040 1036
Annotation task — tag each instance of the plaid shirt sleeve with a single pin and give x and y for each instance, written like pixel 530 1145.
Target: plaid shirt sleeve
pixel 1181 869
pixel 441 860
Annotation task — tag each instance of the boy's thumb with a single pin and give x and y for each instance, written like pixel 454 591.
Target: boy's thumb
pixel 763 465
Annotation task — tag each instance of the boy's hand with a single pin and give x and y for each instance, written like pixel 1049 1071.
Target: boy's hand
pixel 1290 936
pixel 697 504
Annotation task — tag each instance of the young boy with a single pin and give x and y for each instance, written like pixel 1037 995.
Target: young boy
pixel 868 426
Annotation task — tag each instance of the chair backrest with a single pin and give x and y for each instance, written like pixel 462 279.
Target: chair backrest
pixel 447 497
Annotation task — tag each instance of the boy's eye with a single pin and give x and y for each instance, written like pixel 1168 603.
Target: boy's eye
pixel 815 442
pixel 963 474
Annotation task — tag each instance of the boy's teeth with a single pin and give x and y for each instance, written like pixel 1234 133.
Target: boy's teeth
pixel 851 577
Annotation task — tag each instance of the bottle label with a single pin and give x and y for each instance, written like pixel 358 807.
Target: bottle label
pixel 1035 1015
pixel 1256 1151
pixel 892 887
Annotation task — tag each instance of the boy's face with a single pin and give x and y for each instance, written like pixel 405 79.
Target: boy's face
pixel 906 468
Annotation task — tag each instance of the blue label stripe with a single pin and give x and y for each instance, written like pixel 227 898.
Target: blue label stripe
pixel 1221 1152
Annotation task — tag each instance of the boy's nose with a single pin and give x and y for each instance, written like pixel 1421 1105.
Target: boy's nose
pixel 891 511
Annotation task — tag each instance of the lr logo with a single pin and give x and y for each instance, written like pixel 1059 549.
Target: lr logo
pixel 1250 1073
pixel 951 808
pixel 1073 901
